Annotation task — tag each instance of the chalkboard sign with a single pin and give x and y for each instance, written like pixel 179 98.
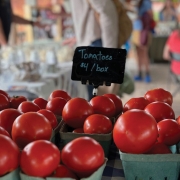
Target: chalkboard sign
pixel 97 66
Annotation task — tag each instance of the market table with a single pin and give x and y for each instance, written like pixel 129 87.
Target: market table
pixel 113 169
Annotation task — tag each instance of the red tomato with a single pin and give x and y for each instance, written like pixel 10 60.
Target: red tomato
pixel 178 120
pixel 160 111
pixel 76 111
pixel 159 94
pixel 117 101
pixel 29 127
pixel 4 102
pixel 59 93
pixel 159 148
pixel 7 117
pixel 4 132
pixel 83 156
pixel 135 131
pixel 39 158
pixel 63 172
pixel 41 102
pixel 15 101
pixel 9 155
pixel 56 105
pixel 78 130
pixel 4 93
pixel 103 105
pixel 169 132
pixel 28 106
pixel 50 116
pixel 136 103
pixel 97 124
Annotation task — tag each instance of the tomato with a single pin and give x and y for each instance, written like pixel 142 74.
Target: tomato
pixel 56 105
pixel 9 155
pixel 39 158
pixel 4 132
pixel 159 94
pixel 15 101
pixel 4 102
pixel 136 103
pixel 28 106
pixel 83 156
pixel 135 132
pixel 59 93
pixel 169 132
pixel 160 111
pixel 97 124
pixel 117 101
pixel 178 120
pixel 103 105
pixel 76 111
pixel 50 116
pixel 4 93
pixel 29 127
pixel 63 172
pixel 159 148
pixel 78 130
pixel 7 117
pixel 41 102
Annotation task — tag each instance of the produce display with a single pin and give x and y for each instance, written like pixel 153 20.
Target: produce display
pixel 141 126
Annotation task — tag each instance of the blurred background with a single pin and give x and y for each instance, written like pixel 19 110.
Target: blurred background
pixel 36 59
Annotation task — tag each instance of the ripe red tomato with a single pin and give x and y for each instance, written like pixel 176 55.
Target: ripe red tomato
pixel 4 102
pixel 159 94
pixel 169 132
pixel 59 93
pixel 83 156
pixel 117 101
pixel 4 93
pixel 15 101
pixel 159 148
pixel 160 111
pixel 63 172
pixel 4 132
pixel 135 131
pixel 97 124
pixel 50 116
pixel 28 106
pixel 103 105
pixel 41 102
pixel 56 105
pixel 78 130
pixel 9 155
pixel 136 103
pixel 39 158
pixel 178 120
pixel 29 127
pixel 7 117
pixel 76 111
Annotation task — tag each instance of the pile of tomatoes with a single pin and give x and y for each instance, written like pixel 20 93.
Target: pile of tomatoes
pixel 148 124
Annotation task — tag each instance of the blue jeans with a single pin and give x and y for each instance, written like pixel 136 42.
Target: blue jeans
pixel 97 43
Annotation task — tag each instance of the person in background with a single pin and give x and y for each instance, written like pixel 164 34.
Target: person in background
pixel 168 13
pixel 143 25
pixel 172 50
pixel 7 17
pixel 90 30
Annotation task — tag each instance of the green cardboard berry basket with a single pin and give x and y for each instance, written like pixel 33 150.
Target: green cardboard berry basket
pixel 151 166
pixel 97 175
pixel 14 175
pixel 66 136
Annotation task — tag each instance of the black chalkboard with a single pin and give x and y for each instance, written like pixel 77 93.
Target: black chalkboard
pixel 97 66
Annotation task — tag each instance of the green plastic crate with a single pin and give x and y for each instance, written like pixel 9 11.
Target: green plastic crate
pixel 97 175
pixel 14 175
pixel 66 136
pixel 151 166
